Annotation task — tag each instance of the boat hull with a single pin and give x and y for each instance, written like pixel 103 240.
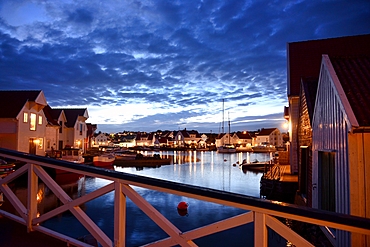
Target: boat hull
pixel 103 160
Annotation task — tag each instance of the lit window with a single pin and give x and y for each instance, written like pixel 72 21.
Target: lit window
pixel 40 120
pixel 25 117
pixel 33 121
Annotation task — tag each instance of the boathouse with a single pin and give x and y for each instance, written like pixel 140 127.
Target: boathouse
pixel 341 141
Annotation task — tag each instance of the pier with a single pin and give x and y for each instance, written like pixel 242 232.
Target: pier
pixel 262 213
pixel 279 184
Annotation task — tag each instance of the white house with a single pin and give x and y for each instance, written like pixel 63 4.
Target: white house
pixel 270 136
pixel 22 121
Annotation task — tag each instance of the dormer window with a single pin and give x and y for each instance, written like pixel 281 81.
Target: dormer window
pixel 25 117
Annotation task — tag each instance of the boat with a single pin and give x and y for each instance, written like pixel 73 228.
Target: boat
pixel 264 149
pixel 6 168
pixel 104 160
pixel 226 148
pixel 139 160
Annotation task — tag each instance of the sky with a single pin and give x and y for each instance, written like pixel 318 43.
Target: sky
pixel 166 65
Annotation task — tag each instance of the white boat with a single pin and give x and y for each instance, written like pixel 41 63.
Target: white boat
pixel 227 148
pixel 264 149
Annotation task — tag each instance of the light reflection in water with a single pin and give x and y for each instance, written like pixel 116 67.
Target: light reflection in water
pixel 216 171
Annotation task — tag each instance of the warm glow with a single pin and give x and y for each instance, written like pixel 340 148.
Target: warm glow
pixel 286 125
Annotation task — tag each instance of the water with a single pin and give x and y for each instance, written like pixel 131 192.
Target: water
pixel 206 169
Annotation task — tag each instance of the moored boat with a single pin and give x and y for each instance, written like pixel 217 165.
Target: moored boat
pixel 6 168
pixel 227 148
pixel 104 160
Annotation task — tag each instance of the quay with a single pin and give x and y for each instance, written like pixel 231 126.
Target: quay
pixel 279 184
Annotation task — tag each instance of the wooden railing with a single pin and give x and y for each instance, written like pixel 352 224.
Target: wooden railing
pixel 262 213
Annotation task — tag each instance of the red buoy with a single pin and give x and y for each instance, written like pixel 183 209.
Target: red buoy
pixel 182 209
pixel 182 206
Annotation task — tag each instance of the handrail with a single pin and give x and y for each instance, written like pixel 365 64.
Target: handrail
pixel 258 206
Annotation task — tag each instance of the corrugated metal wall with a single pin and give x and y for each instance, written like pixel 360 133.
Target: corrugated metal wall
pixel 330 127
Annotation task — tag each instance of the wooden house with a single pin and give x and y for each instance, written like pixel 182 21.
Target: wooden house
pixel 306 109
pixel 74 130
pixel 184 138
pixel 144 139
pixel 22 121
pixel 341 142
pixel 303 60
pixel 269 136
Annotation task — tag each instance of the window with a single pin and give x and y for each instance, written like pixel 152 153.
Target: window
pixel 40 120
pixel 61 127
pixel 33 121
pixel 25 117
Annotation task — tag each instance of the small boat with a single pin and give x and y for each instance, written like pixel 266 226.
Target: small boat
pixel 5 168
pixel 104 160
pixel 226 149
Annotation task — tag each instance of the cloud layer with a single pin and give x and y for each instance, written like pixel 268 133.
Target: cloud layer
pixel 148 65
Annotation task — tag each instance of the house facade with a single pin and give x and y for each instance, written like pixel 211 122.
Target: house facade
pixel 303 60
pixel 269 136
pixel 23 122
pixel 340 141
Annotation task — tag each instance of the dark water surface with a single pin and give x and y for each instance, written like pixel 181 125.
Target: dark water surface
pixel 207 169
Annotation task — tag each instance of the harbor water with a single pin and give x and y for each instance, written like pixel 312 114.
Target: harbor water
pixel 202 168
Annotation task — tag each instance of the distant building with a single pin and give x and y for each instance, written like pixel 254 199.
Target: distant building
pixel 270 136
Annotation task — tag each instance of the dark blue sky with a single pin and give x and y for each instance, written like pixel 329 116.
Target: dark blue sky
pixel 148 65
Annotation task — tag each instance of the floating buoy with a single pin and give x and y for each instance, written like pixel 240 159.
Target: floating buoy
pixel 182 209
pixel 182 206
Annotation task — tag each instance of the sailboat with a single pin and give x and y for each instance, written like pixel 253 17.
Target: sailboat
pixel 226 148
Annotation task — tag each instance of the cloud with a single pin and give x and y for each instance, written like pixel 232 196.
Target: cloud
pixel 141 65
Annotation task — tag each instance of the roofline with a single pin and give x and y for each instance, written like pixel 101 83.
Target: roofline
pixel 340 92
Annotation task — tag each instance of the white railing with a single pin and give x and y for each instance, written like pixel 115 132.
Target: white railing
pixel 262 213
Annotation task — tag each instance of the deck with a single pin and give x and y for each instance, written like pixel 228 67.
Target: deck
pixel 279 184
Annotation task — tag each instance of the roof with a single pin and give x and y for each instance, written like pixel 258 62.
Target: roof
pixel 72 115
pixel 49 116
pixel 309 88
pixel 266 132
pixel 304 58
pixel 243 135
pixel 15 100
pixel 353 73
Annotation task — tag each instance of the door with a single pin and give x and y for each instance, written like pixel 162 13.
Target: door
pixel 32 146
pixel 326 181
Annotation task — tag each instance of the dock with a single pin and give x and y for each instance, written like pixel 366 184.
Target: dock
pixel 279 184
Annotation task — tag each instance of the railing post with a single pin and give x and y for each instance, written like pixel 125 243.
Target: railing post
pixel 32 197
pixel 260 230
pixel 119 216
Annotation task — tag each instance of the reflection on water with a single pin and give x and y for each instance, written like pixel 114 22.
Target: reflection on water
pixel 207 169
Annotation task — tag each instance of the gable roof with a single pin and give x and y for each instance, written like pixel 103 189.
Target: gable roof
pixel 49 115
pixel 266 132
pixel 304 58
pixel 15 100
pixel 309 88
pixel 353 73
pixel 243 135
pixel 72 115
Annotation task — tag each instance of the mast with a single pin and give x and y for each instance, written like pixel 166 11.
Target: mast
pixel 223 117
pixel 229 125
